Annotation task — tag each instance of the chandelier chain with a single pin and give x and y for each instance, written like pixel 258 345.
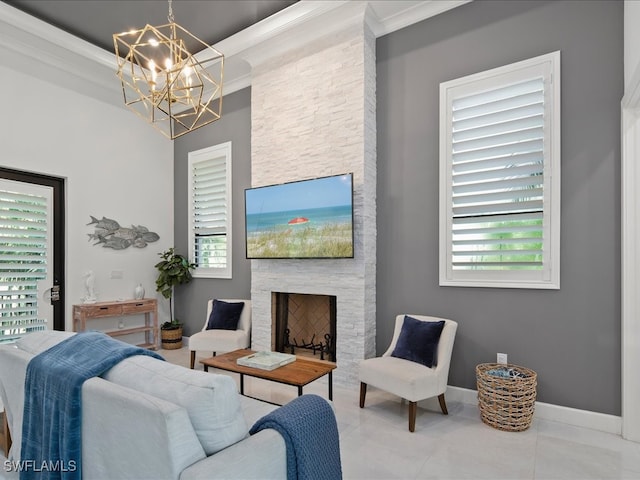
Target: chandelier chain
pixel 170 17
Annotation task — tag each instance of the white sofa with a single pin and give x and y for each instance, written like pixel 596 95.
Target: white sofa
pixel 149 419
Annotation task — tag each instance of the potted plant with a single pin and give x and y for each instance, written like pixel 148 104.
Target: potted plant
pixel 174 269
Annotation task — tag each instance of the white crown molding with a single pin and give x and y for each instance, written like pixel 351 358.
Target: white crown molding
pixel 39 49
pixel 305 30
pixel 299 13
pixel 392 16
pixel 43 51
pixel 241 79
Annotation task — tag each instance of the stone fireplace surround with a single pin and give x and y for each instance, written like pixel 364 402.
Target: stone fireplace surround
pixel 351 346
pixel 313 115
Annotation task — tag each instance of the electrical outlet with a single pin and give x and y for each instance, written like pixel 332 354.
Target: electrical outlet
pixel 502 358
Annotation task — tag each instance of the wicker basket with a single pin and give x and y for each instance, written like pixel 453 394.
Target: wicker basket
pixel 506 403
pixel 171 339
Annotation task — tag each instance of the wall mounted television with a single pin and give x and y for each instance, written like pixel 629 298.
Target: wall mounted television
pixel 303 219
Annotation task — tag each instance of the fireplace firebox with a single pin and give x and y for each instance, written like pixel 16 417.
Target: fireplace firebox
pixel 304 324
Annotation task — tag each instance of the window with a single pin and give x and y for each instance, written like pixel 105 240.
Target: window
pixel 25 258
pixel 210 211
pixel 500 177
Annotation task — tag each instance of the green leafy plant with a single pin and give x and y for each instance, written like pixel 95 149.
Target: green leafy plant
pixel 174 269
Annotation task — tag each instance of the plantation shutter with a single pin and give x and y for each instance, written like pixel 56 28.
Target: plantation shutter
pixel 23 263
pixel 498 140
pixel 210 208
pixel 500 176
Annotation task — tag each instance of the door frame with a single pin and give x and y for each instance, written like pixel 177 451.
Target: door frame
pixel 630 253
pixel 58 186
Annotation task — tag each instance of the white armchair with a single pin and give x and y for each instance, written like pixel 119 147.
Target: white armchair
pixel 222 340
pixel 408 379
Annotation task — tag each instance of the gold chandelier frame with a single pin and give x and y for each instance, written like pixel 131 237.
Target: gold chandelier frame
pixel 175 91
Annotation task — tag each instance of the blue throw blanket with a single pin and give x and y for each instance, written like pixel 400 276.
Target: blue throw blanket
pixel 52 420
pixel 310 433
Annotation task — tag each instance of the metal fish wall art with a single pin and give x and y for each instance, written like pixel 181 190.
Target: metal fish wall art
pixel 110 234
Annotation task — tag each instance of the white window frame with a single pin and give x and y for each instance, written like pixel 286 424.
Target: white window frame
pixel 221 152
pixel 548 277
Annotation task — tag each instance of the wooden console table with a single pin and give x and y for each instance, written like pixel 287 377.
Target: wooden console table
pixel 146 306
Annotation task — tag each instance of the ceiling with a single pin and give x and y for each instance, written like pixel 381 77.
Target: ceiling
pixel 70 42
pixel 97 20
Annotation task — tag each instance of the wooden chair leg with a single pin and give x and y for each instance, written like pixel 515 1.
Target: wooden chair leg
pixel 443 404
pixel 193 358
pixel 363 393
pixel 413 407
pixel 6 433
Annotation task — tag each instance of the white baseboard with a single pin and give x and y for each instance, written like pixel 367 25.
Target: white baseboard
pixel 547 411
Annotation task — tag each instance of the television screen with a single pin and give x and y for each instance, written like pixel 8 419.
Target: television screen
pixel 304 219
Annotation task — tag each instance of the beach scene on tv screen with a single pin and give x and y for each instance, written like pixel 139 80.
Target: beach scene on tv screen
pixel 306 219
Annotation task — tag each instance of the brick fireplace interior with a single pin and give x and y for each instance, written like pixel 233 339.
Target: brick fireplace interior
pixel 304 324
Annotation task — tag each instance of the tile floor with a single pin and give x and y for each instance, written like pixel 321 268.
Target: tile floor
pixel 375 442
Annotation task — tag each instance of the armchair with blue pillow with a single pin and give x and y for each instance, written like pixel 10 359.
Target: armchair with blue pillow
pixel 227 327
pixel 416 364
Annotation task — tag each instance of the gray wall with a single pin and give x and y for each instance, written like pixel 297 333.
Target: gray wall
pixel 235 126
pixel 571 337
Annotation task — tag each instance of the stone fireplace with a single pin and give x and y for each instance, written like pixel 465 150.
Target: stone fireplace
pixel 313 115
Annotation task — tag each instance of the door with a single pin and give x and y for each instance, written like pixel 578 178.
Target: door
pixel 30 274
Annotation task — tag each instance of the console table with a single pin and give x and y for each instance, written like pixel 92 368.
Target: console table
pixel 147 306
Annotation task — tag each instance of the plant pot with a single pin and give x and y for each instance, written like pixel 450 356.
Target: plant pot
pixel 171 339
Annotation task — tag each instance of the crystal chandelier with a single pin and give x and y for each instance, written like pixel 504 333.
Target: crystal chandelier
pixel 174 90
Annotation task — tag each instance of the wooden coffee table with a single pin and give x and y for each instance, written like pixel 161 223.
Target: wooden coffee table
pixel 299 373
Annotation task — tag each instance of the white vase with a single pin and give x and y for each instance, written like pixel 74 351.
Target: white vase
pixel 139 292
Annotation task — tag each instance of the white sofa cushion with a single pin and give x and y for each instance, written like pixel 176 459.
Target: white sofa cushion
pixel 211 400
pixel 38 342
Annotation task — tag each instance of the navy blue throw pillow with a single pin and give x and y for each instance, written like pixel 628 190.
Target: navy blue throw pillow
pixel 418 341
pixel 225 315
